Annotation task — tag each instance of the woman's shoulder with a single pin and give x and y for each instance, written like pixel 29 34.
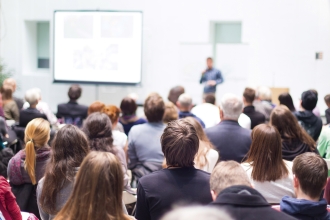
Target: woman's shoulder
pixel 213 154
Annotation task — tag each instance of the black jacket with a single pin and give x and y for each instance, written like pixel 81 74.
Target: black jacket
pixel 291 149
pixel 257 118
pixel 310 122
pixel 245 203
pixel 72 113
pixel 27 115
pixel 230 140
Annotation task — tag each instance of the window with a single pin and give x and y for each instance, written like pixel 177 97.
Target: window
pixel 228 32
pixel 43 45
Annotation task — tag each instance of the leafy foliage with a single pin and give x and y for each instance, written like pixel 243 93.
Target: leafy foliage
pixel 4 72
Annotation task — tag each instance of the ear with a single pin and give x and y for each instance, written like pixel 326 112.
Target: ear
pixel 296 183
pixel 221 114
pixel 178 104
pixel 214 195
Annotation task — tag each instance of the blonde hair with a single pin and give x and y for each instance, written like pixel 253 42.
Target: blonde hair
pixel 37 134
pixel 171 112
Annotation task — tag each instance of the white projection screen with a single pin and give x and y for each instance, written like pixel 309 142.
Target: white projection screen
pixel 97 46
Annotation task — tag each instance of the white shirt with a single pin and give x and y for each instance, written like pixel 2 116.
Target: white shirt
pixel 273 191
pixel 119 138
pixel 244 121
pixel 212 158
pixel 208 113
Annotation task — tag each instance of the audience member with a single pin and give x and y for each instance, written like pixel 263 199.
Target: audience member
pixel 119 138
pixel 310 177
pixel 94 197
pixel 184 104
pixel 232 192
pixel 255 116
pixel 96 106
pixel 229 138
pixel 171 113
pixel 268 172
pixel 196 213
pixel 72 112
pixel 295 140
pixel 2 114
pixel 310 122
pixel 160 190
pixel 323 144
pixel 208 112
pixel 327 111
pixel 69 148
pixel 174 94
pixel 8 206
pixel 128 119
pixel 286 99
pixel 10 82
pixel 206 157
pixel 316 110
pixel 262 102
pixel 27 115
pixel 10 108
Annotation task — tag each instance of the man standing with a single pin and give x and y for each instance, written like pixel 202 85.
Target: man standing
pixel 211 77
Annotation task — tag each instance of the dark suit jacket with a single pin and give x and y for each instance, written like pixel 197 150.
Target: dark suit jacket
pixel 245 203
pixel 27 115
pixel 257 118
pixel 72 112
pixel 230 140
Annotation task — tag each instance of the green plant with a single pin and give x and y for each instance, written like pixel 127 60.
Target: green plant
pixel 4 72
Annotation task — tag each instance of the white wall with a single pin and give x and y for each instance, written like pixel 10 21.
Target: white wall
pixel 281 37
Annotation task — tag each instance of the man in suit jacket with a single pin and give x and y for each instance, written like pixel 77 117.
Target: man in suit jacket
pixel 72 112
pixel 231 191
pixel 255 116
pixel 229 138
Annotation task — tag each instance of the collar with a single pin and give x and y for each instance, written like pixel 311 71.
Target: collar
pixel 229 122
pixel 73 102
pixel 249 108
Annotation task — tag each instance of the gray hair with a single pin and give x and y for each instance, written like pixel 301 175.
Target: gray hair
pixel 197 213
pixel 232 106
pixel 264 93
pixel 32 96
pixel 185 100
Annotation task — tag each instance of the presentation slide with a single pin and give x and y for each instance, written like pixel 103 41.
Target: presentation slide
pixel 97 46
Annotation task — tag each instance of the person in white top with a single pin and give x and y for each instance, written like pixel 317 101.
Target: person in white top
pixel 206 157
pixel 269 173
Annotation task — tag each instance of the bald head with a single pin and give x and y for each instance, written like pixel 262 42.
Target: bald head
pixel 10 82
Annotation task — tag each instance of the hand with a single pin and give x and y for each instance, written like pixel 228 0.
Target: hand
pixel 211 83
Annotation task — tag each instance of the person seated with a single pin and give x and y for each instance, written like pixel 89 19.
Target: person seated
pixel 208 112
pixel 232 192
pixel 96 106
pixel 323 144
pixel 184 104
pixel 10 82
pixel 72 112
pixel 171 113
pixel 97 193
pixel 295 140
pixel 255 116
pixel 306 118
pixel 174 94
pixel 286 99
pixel 128 119
pixel 180 182
pixel 8 205
pixel 327 111
pixel 310 177
pixel 229 138
pixel 262 101
pixel 10 108
pixel 268 172
pixel 197 213
pixel 69 148
pixel 27 115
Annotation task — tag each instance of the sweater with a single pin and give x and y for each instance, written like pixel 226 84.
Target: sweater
pixel 11 111
pixel 8 205
pixel 291 149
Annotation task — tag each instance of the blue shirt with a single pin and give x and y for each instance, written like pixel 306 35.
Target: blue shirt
pixel 211 74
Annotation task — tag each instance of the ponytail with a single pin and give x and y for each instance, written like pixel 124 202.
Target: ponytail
pixel 30 161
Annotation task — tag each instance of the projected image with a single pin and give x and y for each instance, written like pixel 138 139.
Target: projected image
pixel 117 26
pixel 74 29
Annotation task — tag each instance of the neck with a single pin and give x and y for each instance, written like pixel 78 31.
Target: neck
pixel 33 106
pixel 228 119
pixel 301 195
pixel 247 104
pixel 184 110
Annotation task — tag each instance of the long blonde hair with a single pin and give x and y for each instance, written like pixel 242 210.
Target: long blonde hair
pixel 37 134
pixel 97 193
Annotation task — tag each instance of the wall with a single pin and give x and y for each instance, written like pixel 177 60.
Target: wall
pixel 280 39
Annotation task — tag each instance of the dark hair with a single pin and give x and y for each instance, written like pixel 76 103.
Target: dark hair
pixel 314 91
pixel 249 95
pixel 96 106
pixel 7 92
pixel 69 148
pixel 74 92
pixel 286 99
pixel 289 128
pixel 98 129
pixel 113 112
pixel 154 108
pixel 265 154
pixel 327 99
pixel 308 100
pixel 174 94
pixel 128 106
pixel 312 172
pixel 180 143
pixel 209 98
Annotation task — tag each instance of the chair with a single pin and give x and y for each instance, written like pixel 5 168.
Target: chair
pixel 130 202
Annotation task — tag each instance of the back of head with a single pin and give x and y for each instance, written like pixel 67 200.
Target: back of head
pixel 69 148
pixel 113 112
pixel 32 96
pixel 154 108
pixel 327 99
pixel 264 93
pixel 265 154
pixel 98 129
pixel 226 174
pixel 209 98
pixel 174 94
pixel 11 82
pixel 6 92
pixel 74 92
pixel 37 134
pixel 185 101
pixel 231 106
pixel 180 144
pixel 97 193
pixel 96 106
pixel 128 106
pixel 198 127
pixel 312 171
pixel 286 99
pixel 171 112
pixel 308 100
pixel 249 95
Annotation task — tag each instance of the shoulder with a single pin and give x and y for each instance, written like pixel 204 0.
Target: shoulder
pixel 213 154
pixel 141 120
pixel 153 178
